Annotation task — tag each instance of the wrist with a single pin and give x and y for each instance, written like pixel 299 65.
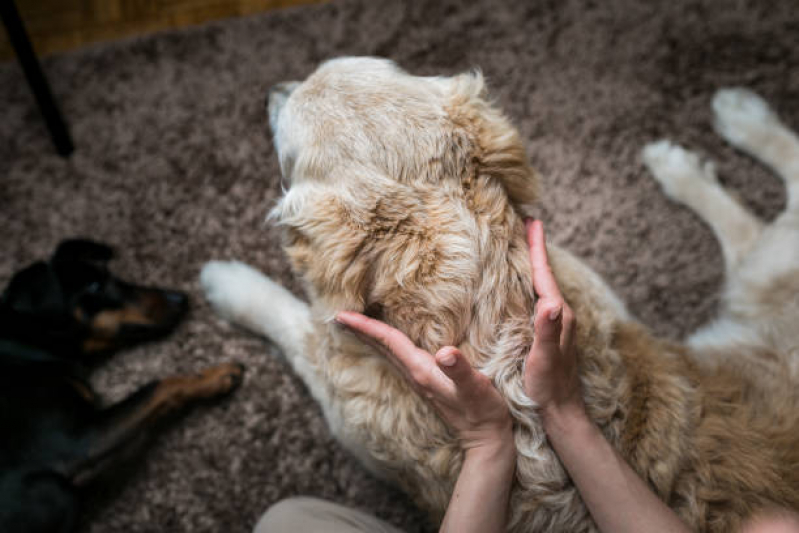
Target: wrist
pixel 500 447
pixel 565 419
pixel 495 461
pixel 494 435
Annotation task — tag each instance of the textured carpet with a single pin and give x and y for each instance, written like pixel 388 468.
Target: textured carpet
pixel 174 166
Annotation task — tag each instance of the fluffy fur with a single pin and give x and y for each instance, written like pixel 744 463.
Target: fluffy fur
pixel 405 202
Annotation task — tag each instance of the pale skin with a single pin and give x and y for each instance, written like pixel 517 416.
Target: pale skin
pixel 618 499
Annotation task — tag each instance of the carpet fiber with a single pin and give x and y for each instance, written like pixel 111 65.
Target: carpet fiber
pixel 174 167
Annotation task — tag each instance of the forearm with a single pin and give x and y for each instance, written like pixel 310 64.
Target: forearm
pixel 479 502
pixel 618 499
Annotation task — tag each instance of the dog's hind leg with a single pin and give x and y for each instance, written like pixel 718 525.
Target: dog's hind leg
pixel 123 428
pixel 760 308
pixel 688 180
pixel 766 288
pixel 745 120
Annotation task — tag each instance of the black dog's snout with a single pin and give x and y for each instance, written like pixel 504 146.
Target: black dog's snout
pixel 177 299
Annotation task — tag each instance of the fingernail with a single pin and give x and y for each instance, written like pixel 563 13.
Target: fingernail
pixel 447 359
pixel 340 324
pixel 554 314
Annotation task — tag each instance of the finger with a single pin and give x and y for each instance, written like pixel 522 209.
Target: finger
pixel 569 323
pixel 548 324
pixel 543 281
pixel 466 388
pixel 405 353
pixel 548 328
pixel 455 366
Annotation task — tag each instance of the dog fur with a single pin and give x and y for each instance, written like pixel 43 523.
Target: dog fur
pixel 406 201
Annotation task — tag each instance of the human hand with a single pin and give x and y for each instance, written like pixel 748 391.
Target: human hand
pixel 550 370
pixel 466 399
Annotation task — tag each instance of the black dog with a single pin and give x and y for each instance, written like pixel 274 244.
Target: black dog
pixel 57 318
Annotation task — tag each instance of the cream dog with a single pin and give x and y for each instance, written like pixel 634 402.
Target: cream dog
pixel 406 201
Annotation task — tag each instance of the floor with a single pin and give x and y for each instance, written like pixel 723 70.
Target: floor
pixel 60 25
pixel 174 166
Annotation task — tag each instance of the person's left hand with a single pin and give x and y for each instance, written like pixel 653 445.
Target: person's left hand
pixel 466 399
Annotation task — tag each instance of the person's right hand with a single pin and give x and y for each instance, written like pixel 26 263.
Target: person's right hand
pixel 550 370
pixel 464 397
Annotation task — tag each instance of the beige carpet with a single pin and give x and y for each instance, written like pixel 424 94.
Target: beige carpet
pixel 174 166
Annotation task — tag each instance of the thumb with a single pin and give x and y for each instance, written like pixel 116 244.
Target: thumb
pixel 547 328
pixel 454 365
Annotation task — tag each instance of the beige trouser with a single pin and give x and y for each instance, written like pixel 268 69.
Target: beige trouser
pixel 312 515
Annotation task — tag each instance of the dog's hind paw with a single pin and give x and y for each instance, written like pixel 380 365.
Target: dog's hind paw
pixel 676 169
pixel 742 117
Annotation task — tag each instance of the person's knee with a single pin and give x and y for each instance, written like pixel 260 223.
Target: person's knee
pixel 286 515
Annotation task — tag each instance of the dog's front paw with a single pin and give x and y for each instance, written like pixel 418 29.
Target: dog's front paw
pixel 741 116
pixel 676 169
pixel 228 287
pixel 218 380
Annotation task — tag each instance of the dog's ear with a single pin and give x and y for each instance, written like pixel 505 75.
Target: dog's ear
pixel 498 149
pixel 82 250
pixel 357 246
pixel 322 241
pixel 35 291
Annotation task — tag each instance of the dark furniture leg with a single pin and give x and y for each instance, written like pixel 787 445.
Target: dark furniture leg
pixel 36 79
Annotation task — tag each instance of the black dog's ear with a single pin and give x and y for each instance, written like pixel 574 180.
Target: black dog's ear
pixel 35 291
pixel 82 250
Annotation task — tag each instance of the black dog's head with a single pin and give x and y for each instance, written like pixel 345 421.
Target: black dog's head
pixel 72 306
